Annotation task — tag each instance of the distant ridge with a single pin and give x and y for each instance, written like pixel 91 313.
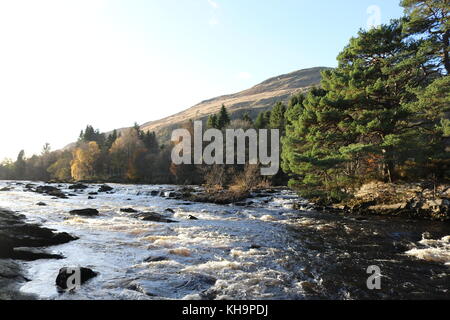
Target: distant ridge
pixel 254 100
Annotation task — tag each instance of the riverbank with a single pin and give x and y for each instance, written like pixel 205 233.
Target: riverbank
pixel 409 200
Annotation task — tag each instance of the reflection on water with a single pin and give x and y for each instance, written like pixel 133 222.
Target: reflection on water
pixel 263 251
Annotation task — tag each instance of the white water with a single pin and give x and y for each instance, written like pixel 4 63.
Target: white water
pixel 214 252
pixel 229 253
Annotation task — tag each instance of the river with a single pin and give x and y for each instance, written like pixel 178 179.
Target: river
pixel 265 250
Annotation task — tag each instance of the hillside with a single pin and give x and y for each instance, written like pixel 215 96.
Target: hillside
pixel 253 100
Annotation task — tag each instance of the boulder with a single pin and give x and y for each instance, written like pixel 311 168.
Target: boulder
pixel 16 233
pixel 128 210
pixel 41 204
pixel 169 210
pixel 190 217
pixel 65 274
pixel 32 254
pixel 85 212
pixel 105 188
pixel 5 189
pixel 153 216
pixel 51 191
pixel 78 186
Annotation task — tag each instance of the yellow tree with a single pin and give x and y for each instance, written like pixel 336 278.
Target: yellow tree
pixel 124 153
pixel 84 160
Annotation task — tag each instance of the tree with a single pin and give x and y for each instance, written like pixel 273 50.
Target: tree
pixel 223 118
pixel 429 20
pixel 20 166
pixel 150 142
pixel 246 117
pixel 61 169
pixel 84 161
pixel 212 122
pixel 277 118
pixel 89 134
pixel 111 139
pixel 263 120
pixel 46 149
pixel 361 121
pixel 124 153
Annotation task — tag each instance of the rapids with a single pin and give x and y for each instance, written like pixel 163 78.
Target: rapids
pixel 265 250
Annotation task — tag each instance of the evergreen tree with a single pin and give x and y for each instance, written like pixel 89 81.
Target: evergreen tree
pixel 263 120
pixel 212 122
pixel 429 20
pixel 360 125
pixel 90 134
pixel 150 142
pixel 223 118
pixel 246 117
pixel 277 118
pixel 111 139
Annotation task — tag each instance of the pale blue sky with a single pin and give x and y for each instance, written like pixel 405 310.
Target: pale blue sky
pixel 67 63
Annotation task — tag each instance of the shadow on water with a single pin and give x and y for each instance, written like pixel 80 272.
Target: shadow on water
pixel 337 251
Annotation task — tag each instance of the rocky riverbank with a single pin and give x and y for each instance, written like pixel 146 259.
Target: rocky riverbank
pixel 22 241
pixel 413 200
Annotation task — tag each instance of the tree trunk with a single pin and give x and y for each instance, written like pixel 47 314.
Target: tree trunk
pixel 446 54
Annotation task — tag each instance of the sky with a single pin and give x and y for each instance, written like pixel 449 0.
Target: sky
pixel 110 63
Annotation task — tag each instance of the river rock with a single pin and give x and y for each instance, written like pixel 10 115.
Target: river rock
pixel 105 188
pixel 32 254
pixel 5 189
pixel 15 233
pixel 41 204
pixel 190 217
pixel 156 259
pixel 85 212
pixel 154 217
pixel 51 191
pixel 64 274
pixel 128 210
pixel 78 186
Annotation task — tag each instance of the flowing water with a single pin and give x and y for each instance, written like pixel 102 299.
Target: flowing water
pixel 266 250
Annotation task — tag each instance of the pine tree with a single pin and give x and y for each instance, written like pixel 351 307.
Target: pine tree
pixel 223 118
pixel 360 125
pixel 246 117
pixel 277 118
pixel 429 20
pixel 111 139
pixel 263 120
pixel 212 122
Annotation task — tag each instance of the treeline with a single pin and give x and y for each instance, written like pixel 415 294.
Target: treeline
pixel 382 114
pixel 130 156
